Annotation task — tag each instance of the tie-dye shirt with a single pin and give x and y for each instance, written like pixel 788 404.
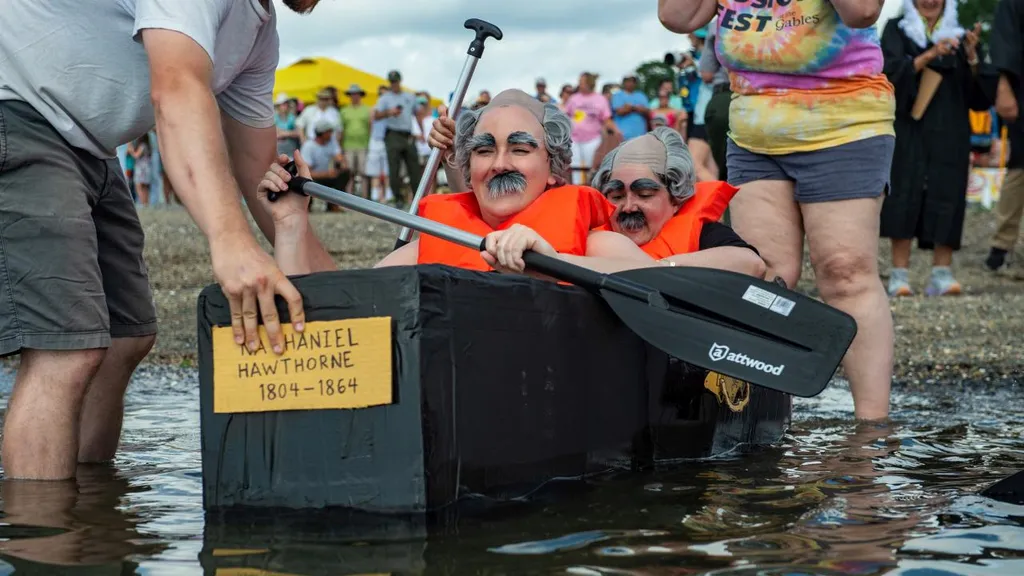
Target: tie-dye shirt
pixel 802 80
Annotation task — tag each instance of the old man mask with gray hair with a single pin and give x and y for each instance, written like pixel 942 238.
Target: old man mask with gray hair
pixel 557 136
pixel 647 179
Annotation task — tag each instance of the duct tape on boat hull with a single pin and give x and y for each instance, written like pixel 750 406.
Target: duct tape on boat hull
pixel 499 384
pixel 271 542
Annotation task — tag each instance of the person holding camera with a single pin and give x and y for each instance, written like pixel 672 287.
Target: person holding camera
pixel 937 70
pixel 395 110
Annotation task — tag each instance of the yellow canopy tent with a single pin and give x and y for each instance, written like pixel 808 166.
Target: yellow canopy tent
pixel 304 78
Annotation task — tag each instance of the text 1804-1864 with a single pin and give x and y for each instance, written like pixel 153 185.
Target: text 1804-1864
pixel 325 387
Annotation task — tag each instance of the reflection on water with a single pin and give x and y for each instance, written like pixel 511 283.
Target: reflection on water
pixel 834 498
pixel 69 524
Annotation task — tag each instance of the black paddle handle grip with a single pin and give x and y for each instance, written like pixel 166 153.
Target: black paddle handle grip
pixel 294 185
pixel 587 278
pixel 484 30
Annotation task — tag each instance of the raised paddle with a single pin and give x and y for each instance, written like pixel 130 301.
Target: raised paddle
pixel 1009 489
pixel 731 323
pixel 484 30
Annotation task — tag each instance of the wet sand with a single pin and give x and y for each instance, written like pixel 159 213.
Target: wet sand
pixel 978 336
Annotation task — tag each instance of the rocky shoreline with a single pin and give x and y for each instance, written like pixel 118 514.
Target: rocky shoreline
pixel 977 336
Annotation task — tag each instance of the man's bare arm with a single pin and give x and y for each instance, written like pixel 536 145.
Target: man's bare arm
pixel 298 251
pixel 610 252
pixel 685 16
pixel 251 150
pixel 405 256
pixel 188 121
pixel 196 160
pixel 734 258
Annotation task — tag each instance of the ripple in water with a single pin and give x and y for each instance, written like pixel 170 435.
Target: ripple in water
pixel 835 498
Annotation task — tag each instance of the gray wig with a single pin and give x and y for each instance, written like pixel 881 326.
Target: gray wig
pixel 557 140
pixel 679 177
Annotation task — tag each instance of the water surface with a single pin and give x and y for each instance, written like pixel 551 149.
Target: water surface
pixel 833 498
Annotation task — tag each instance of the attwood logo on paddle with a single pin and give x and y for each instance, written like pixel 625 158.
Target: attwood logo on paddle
pixel 719 352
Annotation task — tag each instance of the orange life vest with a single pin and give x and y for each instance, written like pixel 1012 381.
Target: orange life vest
pixel 564 216
pixel 681 234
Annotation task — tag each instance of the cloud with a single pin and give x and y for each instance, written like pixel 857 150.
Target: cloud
pixel 426 40
pixel 348 20
pixel 556 39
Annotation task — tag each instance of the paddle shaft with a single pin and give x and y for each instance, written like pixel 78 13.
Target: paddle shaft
pixel 554 267
pixel 641 303
pixel 483 30
pixel 434 162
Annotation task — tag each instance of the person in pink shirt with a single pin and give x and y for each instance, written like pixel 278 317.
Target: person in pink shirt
pixel 590 113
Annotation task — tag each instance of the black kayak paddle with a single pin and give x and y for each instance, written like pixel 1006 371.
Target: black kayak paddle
pixel 734 324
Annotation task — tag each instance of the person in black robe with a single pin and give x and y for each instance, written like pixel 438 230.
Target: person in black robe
pixel 1007 55
pixel 931 161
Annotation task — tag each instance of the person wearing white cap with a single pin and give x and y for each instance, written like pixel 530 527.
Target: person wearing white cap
pixel 323 110
pixel 542 91
pixel 326 161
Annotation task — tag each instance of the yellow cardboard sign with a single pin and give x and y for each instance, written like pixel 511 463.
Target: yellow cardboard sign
pixel 336 364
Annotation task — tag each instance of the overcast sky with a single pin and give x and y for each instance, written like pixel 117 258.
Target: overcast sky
pixel 425 39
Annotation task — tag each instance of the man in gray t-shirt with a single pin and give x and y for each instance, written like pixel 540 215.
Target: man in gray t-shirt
pixel 325 159
pixel 78 78
pixel 396 110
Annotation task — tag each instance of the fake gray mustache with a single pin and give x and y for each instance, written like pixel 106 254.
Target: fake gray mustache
pixel 632 221
pixel 506 184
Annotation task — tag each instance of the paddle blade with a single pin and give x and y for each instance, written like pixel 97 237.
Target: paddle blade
pixel 1009 490
pixel 739 326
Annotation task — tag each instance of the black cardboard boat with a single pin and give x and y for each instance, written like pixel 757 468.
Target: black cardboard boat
pixel 499 384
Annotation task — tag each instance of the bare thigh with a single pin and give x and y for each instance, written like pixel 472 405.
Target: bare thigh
pixel 842 238
pixel 765 215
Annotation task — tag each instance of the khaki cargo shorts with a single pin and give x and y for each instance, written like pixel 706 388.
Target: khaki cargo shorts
pixel 72 274
pixel 356 160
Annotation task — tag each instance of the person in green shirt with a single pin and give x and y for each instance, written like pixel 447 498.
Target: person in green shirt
pixel 355 137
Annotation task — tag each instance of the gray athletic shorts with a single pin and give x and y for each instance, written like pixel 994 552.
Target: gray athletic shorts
pixel 71 270
pixel 856 170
